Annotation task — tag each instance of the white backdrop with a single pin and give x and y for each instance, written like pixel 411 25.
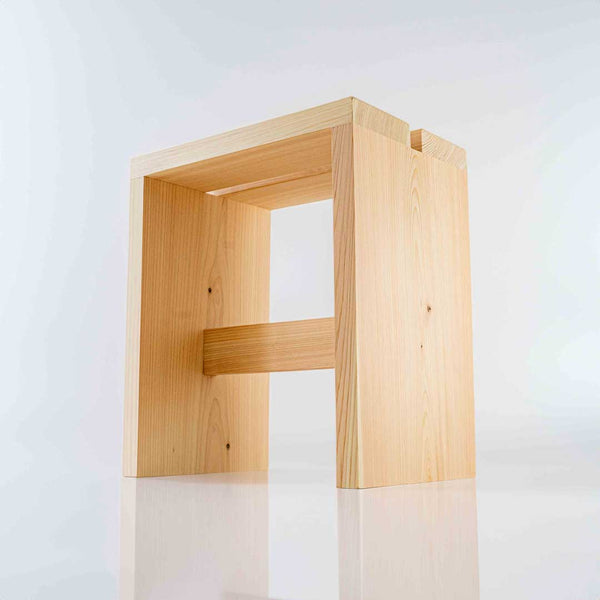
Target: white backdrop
pixel 86 85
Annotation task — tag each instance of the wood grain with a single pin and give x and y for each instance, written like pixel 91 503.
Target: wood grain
pixel 348 451
pixel 199 260
pixel 302 190
pixel 403 330
pixel 205 263
pixel 266 347
pixel 277 151
pixel 134 312
pixel 433 145
pixel 379 121
pixel 229 191
pixel 281 128
pixel 311 151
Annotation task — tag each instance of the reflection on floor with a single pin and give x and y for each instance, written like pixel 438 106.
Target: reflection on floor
pixel 195 537
pixel 416 541
pixel 253 536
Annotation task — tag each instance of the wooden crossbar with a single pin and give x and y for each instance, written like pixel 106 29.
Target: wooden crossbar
pixel 266 347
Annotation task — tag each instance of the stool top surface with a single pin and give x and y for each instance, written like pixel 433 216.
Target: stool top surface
pixel 294 147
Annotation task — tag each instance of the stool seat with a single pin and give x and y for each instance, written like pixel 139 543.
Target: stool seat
pixel 199 344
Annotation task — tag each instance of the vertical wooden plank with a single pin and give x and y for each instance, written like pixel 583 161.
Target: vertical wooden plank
pixel 346 356
pixel 403 295
pixel 205 264
pixel 132 344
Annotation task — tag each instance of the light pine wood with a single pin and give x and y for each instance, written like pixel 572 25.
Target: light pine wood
pixel 433 145
pixel 302 190
pixel 311 151
pixel 205 263
pixel 400 340
pixel 305 173
pixel 403 335
pixel 134 305
pixel 346 344
pixel 245 138
pixel 284 151
pixel 379 121
pixel 265 347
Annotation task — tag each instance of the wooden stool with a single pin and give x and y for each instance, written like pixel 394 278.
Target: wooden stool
pixel 199 344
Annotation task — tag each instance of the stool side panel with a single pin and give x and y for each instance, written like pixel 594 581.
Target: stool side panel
pixel 205 264
pixel 132 343
pixel 348 453
pixel 412 299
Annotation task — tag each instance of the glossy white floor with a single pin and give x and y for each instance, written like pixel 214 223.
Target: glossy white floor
pixel 291 535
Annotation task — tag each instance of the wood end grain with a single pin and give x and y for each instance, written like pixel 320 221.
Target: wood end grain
pixel 428 143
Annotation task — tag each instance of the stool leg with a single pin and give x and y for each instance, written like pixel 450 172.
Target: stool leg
pixel 404 378
pixel 196 262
